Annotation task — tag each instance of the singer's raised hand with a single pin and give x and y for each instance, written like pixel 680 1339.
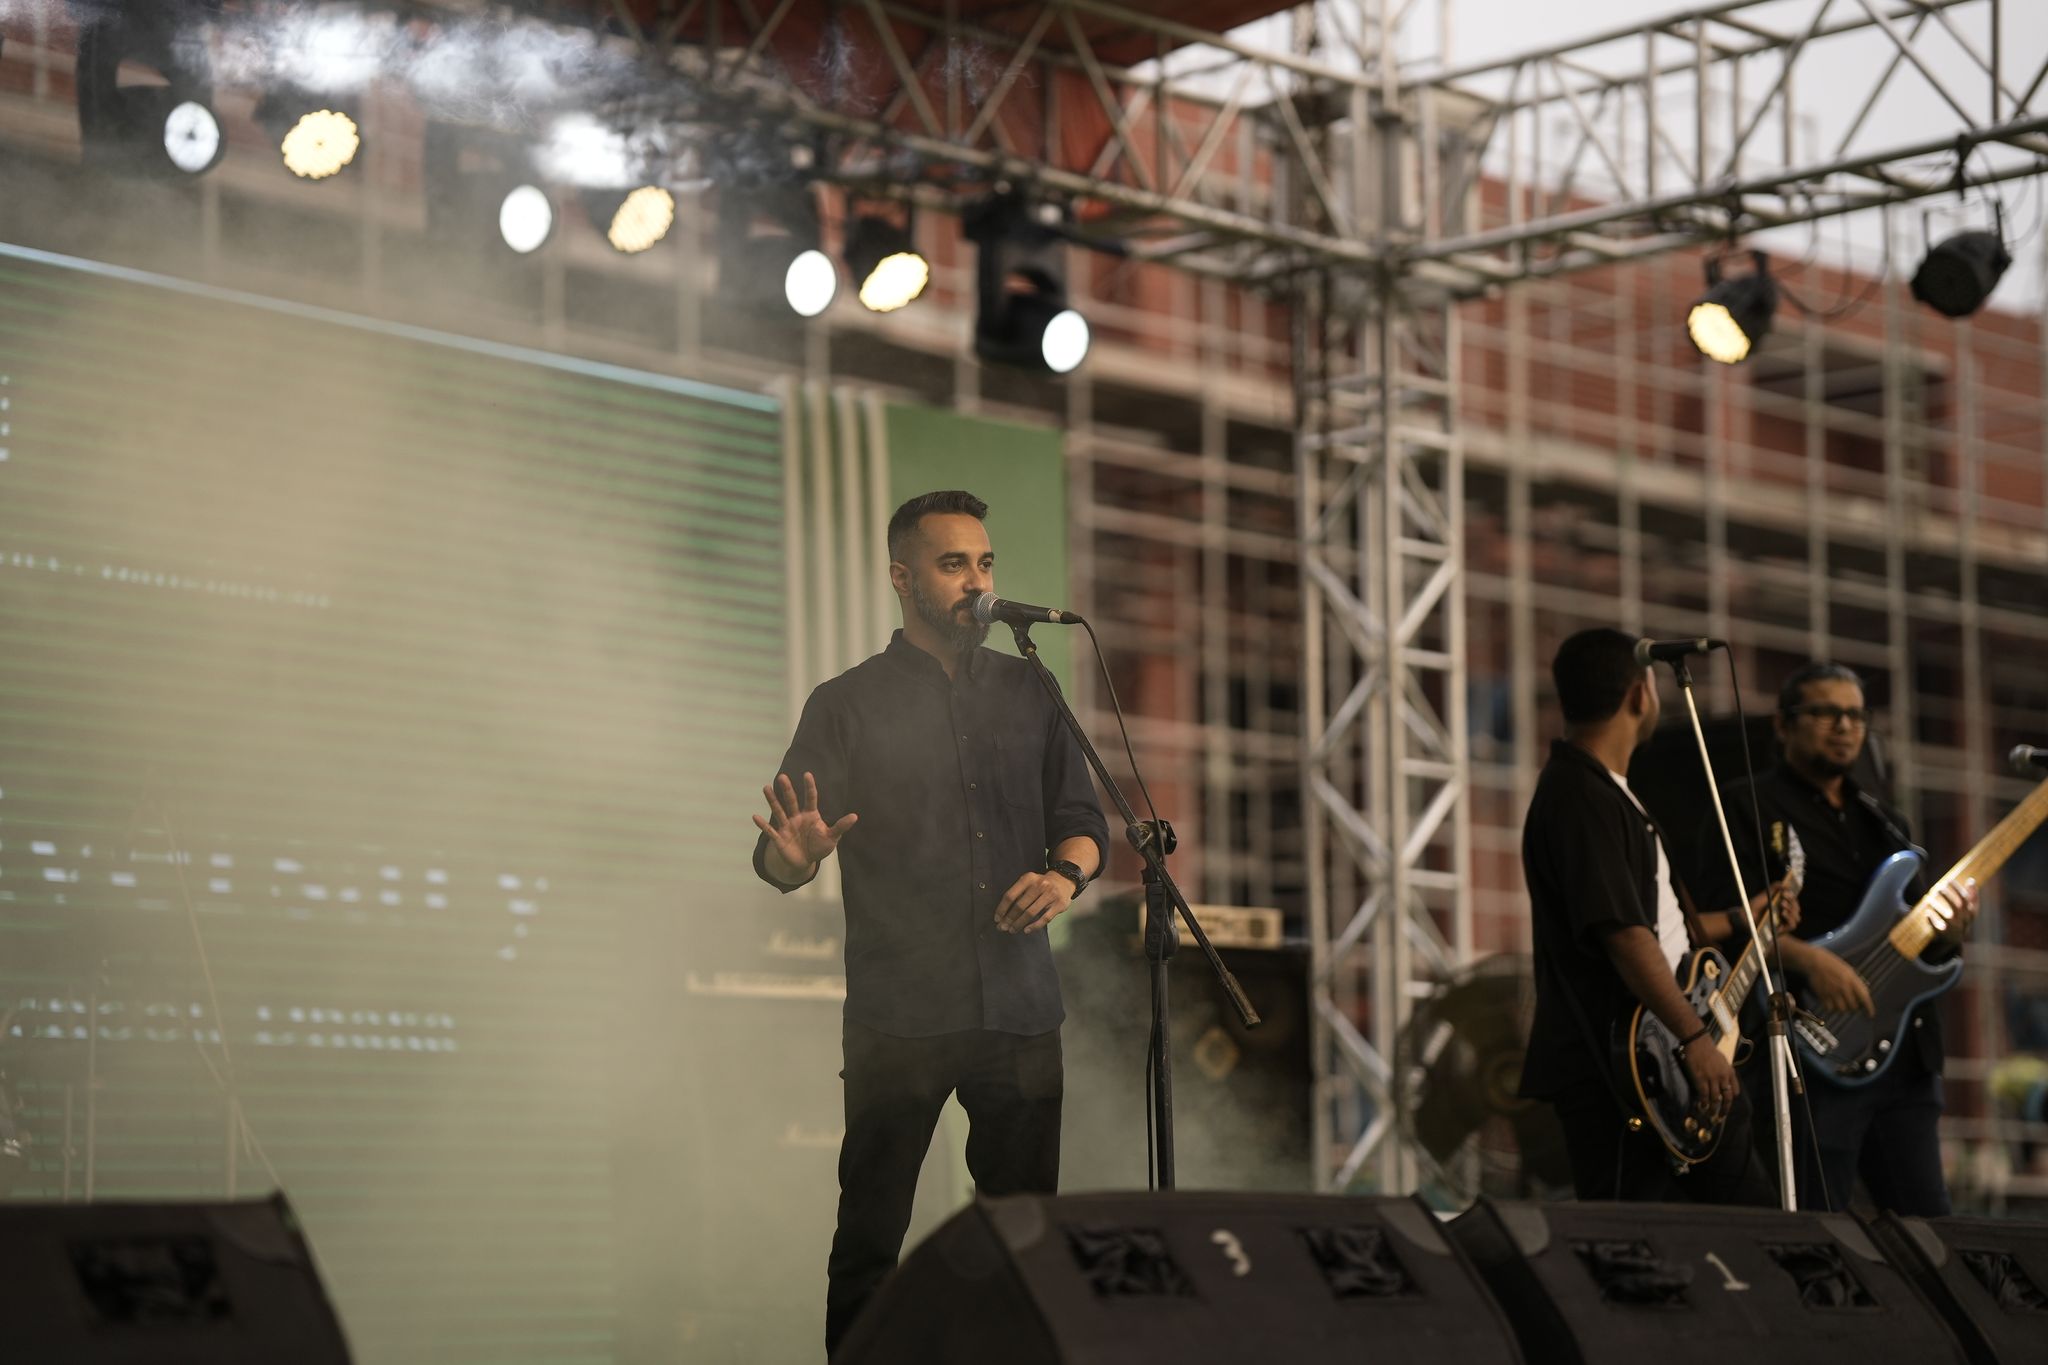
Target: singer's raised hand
pixel 798 837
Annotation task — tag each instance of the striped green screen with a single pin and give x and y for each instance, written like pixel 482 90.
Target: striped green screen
pixel 380 688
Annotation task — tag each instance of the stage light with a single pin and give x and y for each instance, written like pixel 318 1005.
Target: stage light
pixel 1065 343
pixel 810 283
pixel 1734 316
pixel 634 221
pixel 881 255
pixel 167 128
pixel 525 218
pixel 1022 317
pixel 768 252
pixel 192 137
pixel 1959 274
pixel 320 144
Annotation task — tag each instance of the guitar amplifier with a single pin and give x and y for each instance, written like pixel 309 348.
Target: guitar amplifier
pixel 1241 1096
pixel 1682 1284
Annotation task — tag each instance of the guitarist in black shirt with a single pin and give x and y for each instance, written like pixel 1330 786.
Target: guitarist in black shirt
pixel 1885 1131
pixel 1609 932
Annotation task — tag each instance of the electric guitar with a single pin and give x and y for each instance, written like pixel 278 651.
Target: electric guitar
pixel 1647 1054
pixel 1884 941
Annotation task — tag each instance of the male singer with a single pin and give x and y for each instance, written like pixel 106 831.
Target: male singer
pixel 1610 929
pixel 965 821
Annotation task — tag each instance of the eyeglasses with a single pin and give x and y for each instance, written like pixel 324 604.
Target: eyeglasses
pixel 1832 717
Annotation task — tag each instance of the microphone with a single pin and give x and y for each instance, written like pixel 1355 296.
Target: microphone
pixel 2025 758
pixel 1671 651
pixel 989 609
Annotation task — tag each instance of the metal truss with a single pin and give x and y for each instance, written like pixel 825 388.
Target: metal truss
pixel 1624 144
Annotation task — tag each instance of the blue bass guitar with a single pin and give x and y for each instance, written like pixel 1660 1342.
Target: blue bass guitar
pixel 1885 940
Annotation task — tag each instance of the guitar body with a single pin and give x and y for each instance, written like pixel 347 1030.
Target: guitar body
pixel 1854 1049
pixel 1646 1059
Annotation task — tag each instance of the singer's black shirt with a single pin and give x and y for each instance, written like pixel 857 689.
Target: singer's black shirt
pixel 1589 856
pixel 1844 847
pixel 962 786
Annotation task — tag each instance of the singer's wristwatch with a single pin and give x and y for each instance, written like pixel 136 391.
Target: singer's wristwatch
pixel 1072 873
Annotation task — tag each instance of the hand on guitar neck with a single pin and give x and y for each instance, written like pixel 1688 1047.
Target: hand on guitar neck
pixel 1952 907
pixel 1838 988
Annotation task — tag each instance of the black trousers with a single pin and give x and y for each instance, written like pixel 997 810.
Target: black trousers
pixel 1010 1087
pixel 1887 1132
pixel 1611 1162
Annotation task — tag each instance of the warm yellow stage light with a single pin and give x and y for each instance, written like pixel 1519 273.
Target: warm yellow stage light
pixel 320 144
pixel 642 220
pixel 896 280
pixel 1715 332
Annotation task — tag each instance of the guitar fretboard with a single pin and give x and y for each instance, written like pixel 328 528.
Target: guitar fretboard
pixel 1917 929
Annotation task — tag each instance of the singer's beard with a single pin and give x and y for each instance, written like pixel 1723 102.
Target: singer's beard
pixel 941 618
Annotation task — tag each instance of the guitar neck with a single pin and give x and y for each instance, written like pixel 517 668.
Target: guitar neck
pixel 1742 976
pixel 1917 929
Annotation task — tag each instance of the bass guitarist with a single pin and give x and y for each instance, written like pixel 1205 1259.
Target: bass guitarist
pixel 1609 932
pixel 1884 1131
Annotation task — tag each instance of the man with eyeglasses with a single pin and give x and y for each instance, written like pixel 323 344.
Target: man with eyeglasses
pixel 1885 1131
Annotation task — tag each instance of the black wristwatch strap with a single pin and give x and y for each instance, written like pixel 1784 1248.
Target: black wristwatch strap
pixel 1072 873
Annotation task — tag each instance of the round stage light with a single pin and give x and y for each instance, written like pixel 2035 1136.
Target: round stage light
pixel 191 137
pixel 896 280
pixel 811 283
pixel 526 218
pixel 883 258
pixel 320 144
pixel 1734 316
pixel 1064 343
pixel 642 219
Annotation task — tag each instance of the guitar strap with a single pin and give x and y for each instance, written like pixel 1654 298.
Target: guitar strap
pixel 1891 826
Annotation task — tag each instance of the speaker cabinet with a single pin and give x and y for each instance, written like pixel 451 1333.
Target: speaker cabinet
pixel 1987 1276
pixel 1183 1277
pixel 1677 1284
pixel 162 1284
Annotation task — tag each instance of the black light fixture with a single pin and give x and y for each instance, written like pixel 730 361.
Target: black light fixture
pixel 169 128
pixel 1960 272
pixel 769 253
pixel 882 256
pixel 1022 315
pixel 1734 316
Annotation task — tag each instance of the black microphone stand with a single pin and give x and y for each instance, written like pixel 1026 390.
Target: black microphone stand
pixel 1153 841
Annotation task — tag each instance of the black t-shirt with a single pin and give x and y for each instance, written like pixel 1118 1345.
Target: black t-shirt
pixel 1844 847
pixel 1589 856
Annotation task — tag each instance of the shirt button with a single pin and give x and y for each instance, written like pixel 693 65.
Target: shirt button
pixel 979 835
pixel 982 885
pixel 963 739
pixel 971 787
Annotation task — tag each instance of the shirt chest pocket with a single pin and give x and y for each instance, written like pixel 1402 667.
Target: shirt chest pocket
pixel 1020 779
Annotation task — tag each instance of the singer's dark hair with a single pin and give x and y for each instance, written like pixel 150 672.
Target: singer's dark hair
pixel 904 523
pixel 1793 693
pixel 1593 671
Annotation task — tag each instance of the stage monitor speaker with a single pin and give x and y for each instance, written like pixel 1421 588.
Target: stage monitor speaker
pixel 162 1284
pixel 1683 1283
pixel 1987 1276
pixel 1183 1278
